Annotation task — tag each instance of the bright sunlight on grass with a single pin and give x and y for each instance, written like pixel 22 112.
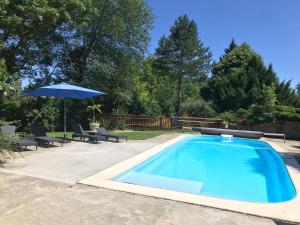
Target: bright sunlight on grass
pixel 132 135
pixel 142 135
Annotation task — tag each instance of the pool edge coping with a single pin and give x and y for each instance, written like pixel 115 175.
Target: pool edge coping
pixel 288 211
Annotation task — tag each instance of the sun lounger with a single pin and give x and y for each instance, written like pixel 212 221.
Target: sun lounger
pixel 102 131
pixel 79 132
pixel 40 135
pixel 10 132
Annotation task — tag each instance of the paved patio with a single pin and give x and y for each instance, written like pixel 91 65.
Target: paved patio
pixel 25 198
pixel 31 201
pixel 74 161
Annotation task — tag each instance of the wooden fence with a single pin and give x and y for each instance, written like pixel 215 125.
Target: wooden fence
pixel 135 122
pixel 189 122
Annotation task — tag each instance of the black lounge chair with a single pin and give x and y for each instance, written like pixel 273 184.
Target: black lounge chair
pixel 102 131
pixel 40 135
pixel 10 132
pixel 79 132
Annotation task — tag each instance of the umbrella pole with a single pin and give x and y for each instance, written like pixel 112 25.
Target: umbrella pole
pixel 65 120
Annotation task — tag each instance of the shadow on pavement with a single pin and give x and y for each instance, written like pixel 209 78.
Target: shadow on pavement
pixel 277 222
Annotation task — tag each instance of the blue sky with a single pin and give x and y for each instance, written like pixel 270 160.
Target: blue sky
pixel 272 28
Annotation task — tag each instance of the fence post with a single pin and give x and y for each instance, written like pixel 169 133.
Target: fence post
pixel 160 122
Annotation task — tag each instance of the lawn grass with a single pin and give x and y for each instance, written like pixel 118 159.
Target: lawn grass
pixel 59 134
pixel 132 135
pixel 143 135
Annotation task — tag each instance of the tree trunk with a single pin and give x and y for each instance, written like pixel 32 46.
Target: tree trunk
pixel 178 105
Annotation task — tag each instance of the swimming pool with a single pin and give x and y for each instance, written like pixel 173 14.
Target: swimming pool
pixel 230 168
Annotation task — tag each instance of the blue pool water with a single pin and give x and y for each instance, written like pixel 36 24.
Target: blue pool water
pixel 236 168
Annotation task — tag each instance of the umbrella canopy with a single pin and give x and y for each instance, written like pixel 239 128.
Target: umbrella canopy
pixel 64 90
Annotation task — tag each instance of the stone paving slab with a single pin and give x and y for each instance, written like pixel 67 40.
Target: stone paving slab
pixel 74 161
pixel 32 201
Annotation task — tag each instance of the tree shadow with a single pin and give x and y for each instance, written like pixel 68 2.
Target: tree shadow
pixel 20 150
pixel 2 164
pixel 269 166
pixel 288 159
pixel 278 222
pixel 257 166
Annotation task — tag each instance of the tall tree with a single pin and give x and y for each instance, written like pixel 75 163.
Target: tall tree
pixel 31 32
pixel 105 52
pixel 183 56
pixel 238 79
pixel 95 43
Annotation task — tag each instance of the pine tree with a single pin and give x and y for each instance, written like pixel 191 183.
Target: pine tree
pixel 238 78
pixel 231 46
pixel 183 56
pixel 287 95
pixel 298 88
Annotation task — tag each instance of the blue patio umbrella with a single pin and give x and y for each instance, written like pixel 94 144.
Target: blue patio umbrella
pixel 64 90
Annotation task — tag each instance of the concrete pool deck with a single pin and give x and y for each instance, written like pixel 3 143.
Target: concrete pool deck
pixel 58 199
pixel 32 201
pixel 74 161
pixel 288 210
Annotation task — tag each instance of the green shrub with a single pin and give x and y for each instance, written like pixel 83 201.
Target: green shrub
pixel 197 107
pixel 15 122
pixel 117 124
pixel 48 116
pixel 6 147
pixel 152 108
pixel 228 116
pixel 258 113
pixel 284 112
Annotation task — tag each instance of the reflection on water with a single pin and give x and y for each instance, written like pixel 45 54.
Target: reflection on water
pixel 271 167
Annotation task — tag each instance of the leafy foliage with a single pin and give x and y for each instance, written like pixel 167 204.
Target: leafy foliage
pixel 6 148
pixel 47 115
pixel 3 75
pixel 284 112
pixel 198 108
pixel 94 108
pixel 116 35
pixel 238 79
pixel 31 32
pixel 97 44
pixel 155 94
pixel 286 95
pixel 298 89
pixel 101 44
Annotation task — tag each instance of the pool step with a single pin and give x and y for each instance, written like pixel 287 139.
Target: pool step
pixel 163 182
